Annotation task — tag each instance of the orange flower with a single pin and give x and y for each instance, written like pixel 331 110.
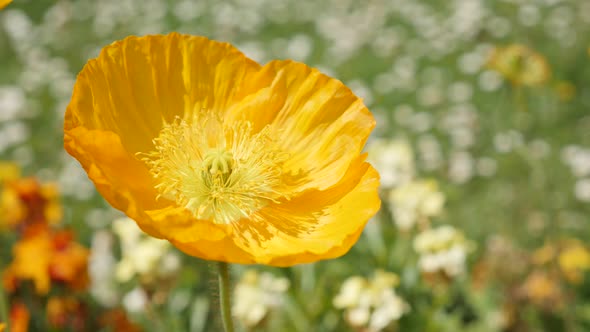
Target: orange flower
pixel 19 317
pixel 226 159
pixel 117 321
pixel 69 261
pixel 42 257
pixel 543 289
pixel 25 202
pixel 66 313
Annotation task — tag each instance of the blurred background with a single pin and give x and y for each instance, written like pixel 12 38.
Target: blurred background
pixel 482 143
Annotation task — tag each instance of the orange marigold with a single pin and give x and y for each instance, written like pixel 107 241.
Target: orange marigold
pixel 43 256
pixel 67 314
pixel 117 321
pixel 25 202
pixel 227 159
pixel 19 317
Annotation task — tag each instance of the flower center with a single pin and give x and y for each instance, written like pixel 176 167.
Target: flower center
pixel 218 161
pixel 219 173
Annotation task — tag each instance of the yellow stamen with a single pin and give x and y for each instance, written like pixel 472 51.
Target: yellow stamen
pixel 218 173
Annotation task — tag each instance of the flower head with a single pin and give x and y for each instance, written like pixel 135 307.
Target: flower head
pixel 394 159
pixel 146 257
pixel 44 256
pixel 25 202
pixel 371 305
pixel 442 250
pixel 415 201
pixel 520 65
pixel 574 261
pixel 20 317
pixel 66 313
pixel 543 289
pixel 117 320
pixel 226 159
pixel 256 294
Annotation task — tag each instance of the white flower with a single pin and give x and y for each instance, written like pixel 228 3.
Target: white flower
pixel 582 190
pixel 391 308
pixel 415 200
pixel 442 249
pixel 578 159
pixel 142 255
pixel 350 292
pixel 394 160
pixel 135 300
pixel 256 294
pixel 12 102
pixel 371 304
pixel 101 266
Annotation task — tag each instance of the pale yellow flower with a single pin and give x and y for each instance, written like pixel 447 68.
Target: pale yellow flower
pixel 394 159
pixel 442 250
pixel 256 294
pixel 142 256
pixel 371 304
pixel 415 201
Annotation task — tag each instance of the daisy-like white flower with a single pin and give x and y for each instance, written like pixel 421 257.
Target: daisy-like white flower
pixel 442 250
pixel 371 305
pixel 256 294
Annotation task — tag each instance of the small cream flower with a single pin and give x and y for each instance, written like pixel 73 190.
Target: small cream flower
pixel 142 255
pixel 136 300
pixel 256 294
pixel 394 160
pixel 415 201
pixel 443 249
pixel 101 267
pixel 371 304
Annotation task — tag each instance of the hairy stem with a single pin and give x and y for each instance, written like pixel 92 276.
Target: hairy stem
pixel 224 296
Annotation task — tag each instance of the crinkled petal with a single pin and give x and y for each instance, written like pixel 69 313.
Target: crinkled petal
pixel 140 82
pixel 120 178
pixel 121 100
pixel 316 119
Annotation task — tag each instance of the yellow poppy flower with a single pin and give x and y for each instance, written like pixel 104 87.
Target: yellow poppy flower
pixel 227 159
pixel 4 3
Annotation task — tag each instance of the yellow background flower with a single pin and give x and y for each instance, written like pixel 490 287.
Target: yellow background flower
pixel 520 65
pixel 4 3
pixel 227 159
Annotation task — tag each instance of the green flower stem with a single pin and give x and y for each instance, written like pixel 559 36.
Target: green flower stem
pixel 224 296
pixel 520 99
